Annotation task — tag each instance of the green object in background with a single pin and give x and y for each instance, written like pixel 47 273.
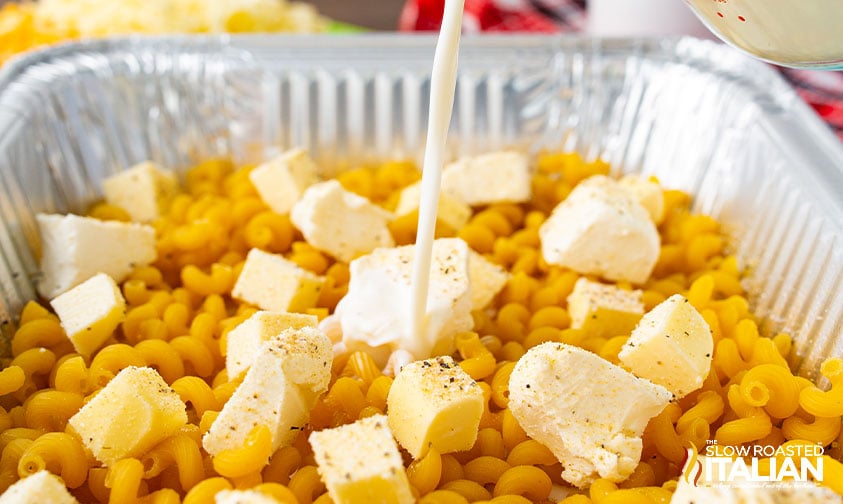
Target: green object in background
pixel 340 27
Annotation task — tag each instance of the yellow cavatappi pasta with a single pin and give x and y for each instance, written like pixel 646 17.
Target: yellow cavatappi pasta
pixel 180 310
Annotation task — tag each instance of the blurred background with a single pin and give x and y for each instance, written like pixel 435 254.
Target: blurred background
pixel 373 14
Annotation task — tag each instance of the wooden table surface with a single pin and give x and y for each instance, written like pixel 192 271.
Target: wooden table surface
pixel 374 14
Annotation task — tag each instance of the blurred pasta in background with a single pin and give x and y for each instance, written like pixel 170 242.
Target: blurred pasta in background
pixel 29 25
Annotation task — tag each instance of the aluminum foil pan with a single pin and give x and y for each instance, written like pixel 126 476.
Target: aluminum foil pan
pixel 698 115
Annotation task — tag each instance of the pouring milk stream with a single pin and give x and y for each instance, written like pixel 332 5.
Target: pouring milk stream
pixel 442 86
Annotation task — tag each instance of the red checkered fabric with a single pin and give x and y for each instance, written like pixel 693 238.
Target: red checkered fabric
pixel 822 90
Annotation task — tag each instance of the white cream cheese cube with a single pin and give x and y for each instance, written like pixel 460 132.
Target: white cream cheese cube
pixel 434 403
pixel 341 223
pixel 90 312
pixel 272 282
pixel 135 411
pixel 647 193
pixel 39 488
pixel 587 411
pixel 600 229
pixel 376 310
pixel 278 391
pixel 244 341
pixel 243 497
pixel 496 177
pixel 451 211
pixel 75 248
pixel 672 346
pixel 487 279
pixel 360 462
pixel 281 181
pixel 604 310
pixel 143 190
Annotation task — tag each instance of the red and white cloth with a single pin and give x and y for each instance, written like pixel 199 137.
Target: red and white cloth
pixel 822 90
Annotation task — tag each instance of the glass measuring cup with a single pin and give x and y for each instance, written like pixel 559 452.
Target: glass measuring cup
pixel 794 33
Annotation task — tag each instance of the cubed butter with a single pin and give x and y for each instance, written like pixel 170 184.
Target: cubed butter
pixel 39 488
pixel 90 312
pixel 587 411
pixel 487 279
pixel 341 223
pixel 360 462
pixel 143 191
pixel 131 414
pixel 74 248
pixel 243 342
pixel 278 391
pixel 604 310
pixel 434 403
pixel 281 181
pixel 376 310
pixel 647 193
pixel 451 211
pixel 601 229
pixel 496 177
pixel 244 497
pixel 671 346
pixel 271 282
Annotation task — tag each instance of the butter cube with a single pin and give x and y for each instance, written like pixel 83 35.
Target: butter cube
pixel 130 415
pixel 243 497
pixel 647 193
pixel 90 312
pixel 434 403
pixel 143 190
pixel 341 223
pixel 74 248
pixel 451 211
pixel 587 411
pixel 360 462
pixel 244 340
pixel 496 177
pixel 278 391
pixel 487 279
pixel 281 181
pixel 377 308
pixel 604 310
pixel 38 488
pixel 671 346
pixel 271 282
pixel 600 229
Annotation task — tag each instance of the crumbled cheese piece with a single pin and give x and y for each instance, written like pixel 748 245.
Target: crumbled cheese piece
pixel 38 488
pixel 143 190
pixel 278 391
pixel 671 346
pixel 90 312
pixel 600 229
pixel 496 177
pixel 587 411
pixel 451 211
pixel 487 279
pixel 75 248
pixel 243 497
pixel 376 310
pixel 341 223
pixel 647 193
pixel 730 492
pixel 360 462
pixel 281 181
pixel 604 310
pixel 244 341
pixel 271 282
pixel 434 403
pixel 131 414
